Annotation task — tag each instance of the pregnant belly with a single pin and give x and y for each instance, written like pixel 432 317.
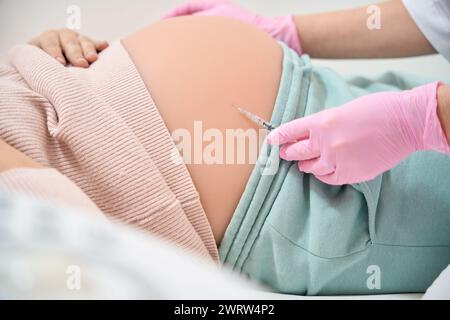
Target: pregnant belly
pixel 196 69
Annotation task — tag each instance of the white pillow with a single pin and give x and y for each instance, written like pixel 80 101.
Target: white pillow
pixel 440 289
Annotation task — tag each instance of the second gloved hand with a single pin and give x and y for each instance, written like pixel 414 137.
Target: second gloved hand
pixel 365 137
pixel 281 28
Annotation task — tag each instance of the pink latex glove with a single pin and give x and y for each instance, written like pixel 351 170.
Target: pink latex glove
pixel 280 28
pixel 365 137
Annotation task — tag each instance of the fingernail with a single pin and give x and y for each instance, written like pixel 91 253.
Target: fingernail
pixel 104 44
pixel 91 55
pixel 82 61
pixel 60 60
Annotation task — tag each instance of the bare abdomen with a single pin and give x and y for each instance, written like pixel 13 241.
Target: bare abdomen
pixel 196 68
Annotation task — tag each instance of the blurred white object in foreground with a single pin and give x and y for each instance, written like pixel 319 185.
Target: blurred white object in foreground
pixel 49 251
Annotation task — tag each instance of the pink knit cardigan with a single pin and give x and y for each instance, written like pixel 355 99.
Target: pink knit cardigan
pixel 103 140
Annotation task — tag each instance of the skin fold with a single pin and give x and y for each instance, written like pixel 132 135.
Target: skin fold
pixel 11 158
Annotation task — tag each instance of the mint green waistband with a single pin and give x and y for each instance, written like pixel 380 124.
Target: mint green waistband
pixel 251 211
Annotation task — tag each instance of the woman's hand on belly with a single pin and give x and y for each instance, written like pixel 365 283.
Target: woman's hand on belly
pixel 195 78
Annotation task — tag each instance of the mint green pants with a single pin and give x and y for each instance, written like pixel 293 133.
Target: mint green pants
pixel 298 235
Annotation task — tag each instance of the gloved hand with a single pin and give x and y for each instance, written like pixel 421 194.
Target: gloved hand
pixel 280 28
pixel 365 137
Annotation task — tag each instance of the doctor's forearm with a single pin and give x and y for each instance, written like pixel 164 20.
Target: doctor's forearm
pixel 345 34
pixel 444 109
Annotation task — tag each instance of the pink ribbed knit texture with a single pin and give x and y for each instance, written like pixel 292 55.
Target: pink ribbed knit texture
pixel 46 184
pixel 101 129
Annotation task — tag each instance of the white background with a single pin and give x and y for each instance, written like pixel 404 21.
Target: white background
pixel 20 20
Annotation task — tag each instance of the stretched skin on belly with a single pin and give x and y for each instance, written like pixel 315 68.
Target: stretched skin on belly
pixel 196 69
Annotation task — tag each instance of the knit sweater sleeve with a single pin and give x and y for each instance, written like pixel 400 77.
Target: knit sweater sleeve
pixel 101 129
pixel 46 184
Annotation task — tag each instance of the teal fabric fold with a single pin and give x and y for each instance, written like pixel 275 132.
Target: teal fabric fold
pixel 298 235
